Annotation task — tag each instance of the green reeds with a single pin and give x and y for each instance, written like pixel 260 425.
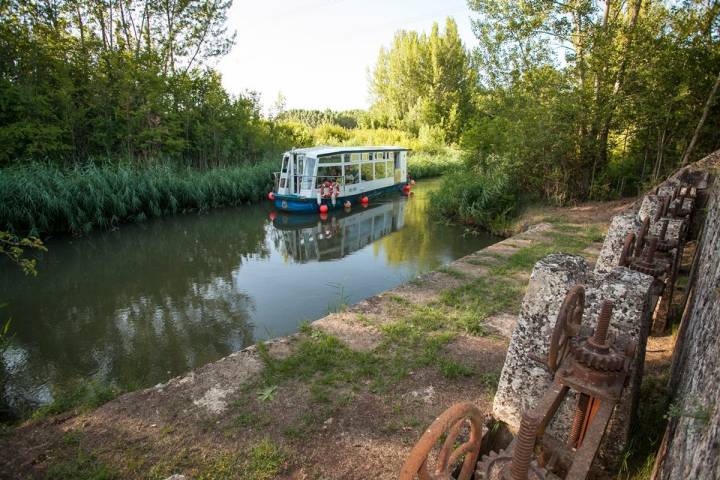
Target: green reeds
pixel 38 199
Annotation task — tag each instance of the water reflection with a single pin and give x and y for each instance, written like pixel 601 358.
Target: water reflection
pixel 139 305
pixel 309 238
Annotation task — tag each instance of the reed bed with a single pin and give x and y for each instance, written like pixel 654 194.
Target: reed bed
pixel 39 199
pixel 425 165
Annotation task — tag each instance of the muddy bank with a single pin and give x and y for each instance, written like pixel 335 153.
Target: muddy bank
pixel 345 398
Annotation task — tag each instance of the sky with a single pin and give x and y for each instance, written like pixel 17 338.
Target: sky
pixel 318 53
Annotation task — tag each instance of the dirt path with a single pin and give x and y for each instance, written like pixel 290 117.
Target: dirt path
pixel 345 398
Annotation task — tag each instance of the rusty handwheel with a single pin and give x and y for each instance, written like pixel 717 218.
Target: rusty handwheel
pixel 566 326
pixel 627 250
pixel 451 422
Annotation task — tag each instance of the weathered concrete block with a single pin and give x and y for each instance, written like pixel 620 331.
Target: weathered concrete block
pixel 650 206
pixel 634 304
pixel 620 226
pixel 523 380
pixel 674 230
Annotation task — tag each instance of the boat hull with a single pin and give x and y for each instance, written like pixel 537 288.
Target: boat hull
pixel 298 204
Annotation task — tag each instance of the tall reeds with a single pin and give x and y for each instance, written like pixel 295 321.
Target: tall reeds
pixel 38 199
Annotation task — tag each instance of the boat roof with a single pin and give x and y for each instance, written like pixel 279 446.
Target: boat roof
pixel 328 150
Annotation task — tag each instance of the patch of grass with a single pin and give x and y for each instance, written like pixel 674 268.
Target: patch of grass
pixel 266 460
pixel 263 462
pixel 80 395
pixel 453 370
pixel 648 429
pixel 453 272
pixel 83 466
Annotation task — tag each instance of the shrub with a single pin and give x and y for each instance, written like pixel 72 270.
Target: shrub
pixel 486 199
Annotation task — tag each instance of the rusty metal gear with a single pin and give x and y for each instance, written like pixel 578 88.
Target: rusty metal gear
pixel 596 352
pixel 450 423
pixel 567 326
pixel 640 239
pixel 627 251
pixel 607 359
pixel 648 264
pixel 662 211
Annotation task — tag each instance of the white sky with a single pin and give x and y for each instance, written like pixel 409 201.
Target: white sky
pixel 318 52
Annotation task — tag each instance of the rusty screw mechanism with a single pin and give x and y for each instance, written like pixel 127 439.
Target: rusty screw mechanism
pixel 524 446
pixel 647 264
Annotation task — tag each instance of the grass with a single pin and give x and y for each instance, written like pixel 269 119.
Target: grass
pixel 80 395
pixel 263 462
pixel 39 199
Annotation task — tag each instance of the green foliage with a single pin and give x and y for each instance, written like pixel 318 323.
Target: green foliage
pixel 14 248
pixel 484 198
pixel 616 116
pixel 426 165
pixel 80 81
pixel 314 118
pixel 424 82
pixel 41 199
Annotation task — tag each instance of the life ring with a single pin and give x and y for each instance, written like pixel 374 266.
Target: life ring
pixel 326 190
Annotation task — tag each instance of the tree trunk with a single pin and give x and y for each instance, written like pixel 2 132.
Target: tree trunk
pixel 703 117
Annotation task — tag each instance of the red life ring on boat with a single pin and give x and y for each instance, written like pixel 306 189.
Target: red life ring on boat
pixel 326 190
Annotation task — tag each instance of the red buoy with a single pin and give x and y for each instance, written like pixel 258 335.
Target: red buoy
pixel 364 200
pixel 271 196
pixel 323 208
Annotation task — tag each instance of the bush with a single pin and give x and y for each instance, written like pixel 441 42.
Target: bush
pixel 486 199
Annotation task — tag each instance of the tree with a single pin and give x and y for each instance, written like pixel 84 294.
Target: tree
pixel 424 80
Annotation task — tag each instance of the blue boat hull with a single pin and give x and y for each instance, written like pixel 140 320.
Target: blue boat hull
pixel 298 204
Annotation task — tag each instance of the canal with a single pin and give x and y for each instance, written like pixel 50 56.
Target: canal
pixel 139 305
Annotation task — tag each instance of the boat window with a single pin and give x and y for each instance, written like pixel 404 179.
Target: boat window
pixel 366 172
pixel 354 157
pixel 308 179
pixel 327 174
pixel 352 174
pixel 365 156
pixel 391 155
pixel 390 168
pixel 285 162
pixel 380 170
pixel 331 159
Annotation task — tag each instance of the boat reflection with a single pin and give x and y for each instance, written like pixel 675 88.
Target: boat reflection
pixel 309 238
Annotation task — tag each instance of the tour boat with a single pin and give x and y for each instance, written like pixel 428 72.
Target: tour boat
pixel 319 178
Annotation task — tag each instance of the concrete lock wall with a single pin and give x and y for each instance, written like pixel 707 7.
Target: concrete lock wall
pixel 691 448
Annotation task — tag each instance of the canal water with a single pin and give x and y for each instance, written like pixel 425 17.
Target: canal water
pixel 137 306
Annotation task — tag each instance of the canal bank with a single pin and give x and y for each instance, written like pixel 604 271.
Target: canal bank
pixel 344 398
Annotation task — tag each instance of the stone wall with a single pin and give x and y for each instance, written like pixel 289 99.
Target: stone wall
pixel 691 448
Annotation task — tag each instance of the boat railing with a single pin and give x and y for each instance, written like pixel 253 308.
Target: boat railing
pixel 307 178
